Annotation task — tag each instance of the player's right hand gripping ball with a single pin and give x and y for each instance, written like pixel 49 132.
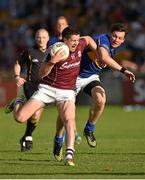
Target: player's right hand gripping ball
pixel 58 46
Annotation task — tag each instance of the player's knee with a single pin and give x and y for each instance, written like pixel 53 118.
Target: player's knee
pixel 101 102
pixel 98 94
pixel 69 122
pixel 20 118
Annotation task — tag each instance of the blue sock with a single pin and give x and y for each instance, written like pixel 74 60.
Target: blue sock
pixel 90 126
pixel 60 140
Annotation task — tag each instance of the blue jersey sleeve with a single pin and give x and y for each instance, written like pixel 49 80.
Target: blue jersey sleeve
pixel 103 40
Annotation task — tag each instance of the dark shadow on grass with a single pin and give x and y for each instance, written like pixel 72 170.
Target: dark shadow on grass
pixel 33 153
pixel 23 160
pixel 106 153
pixel 3 151
pixel 30 162
pixel 25 152
pixel 117 153
pixel 48 163
pixel 80 173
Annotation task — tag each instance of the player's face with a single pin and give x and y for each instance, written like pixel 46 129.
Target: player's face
pixel 61 25
pixel 117 38
pixel 72 42
pixel 42 38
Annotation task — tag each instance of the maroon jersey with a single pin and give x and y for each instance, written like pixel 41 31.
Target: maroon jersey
pixel 63 75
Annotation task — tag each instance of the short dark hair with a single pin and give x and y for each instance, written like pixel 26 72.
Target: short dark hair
pixel 68 32
pixel 119 27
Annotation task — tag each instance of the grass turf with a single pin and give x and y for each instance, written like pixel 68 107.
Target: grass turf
pixel 120 152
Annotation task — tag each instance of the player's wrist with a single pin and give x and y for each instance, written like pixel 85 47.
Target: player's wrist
pixel 51 63
pixel 122 70
pixel 16 76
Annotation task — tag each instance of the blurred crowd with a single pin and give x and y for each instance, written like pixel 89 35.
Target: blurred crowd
pixel 19 20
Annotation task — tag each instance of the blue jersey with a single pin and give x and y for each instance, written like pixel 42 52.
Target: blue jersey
pixel 53 40
pixel 88 67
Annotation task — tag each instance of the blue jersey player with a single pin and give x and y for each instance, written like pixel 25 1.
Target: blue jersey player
pixel 88 67
pixel 61 24
pixel 91 66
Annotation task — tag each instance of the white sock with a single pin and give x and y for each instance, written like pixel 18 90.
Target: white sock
pixel 69 153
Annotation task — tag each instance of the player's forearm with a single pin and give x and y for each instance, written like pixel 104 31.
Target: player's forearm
pixel 17 70
pixel 45 69
pixel 17 75
pixel 112 64
pixel 108 60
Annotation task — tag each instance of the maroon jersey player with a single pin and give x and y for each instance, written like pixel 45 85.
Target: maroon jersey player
pixel 57 86
pixel 58 77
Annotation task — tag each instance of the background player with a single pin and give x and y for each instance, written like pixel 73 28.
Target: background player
pixel 30 61
pixel 61 24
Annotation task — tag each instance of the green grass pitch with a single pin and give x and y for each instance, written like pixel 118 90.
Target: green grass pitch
pixel 120 152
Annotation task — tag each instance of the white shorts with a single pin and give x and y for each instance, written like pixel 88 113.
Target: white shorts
pixel 82 82
pixel 48 94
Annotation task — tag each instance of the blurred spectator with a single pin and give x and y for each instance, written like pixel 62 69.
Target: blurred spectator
pixel 19 23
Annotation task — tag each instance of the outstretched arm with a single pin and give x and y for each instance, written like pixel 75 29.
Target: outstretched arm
pixel 105 57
